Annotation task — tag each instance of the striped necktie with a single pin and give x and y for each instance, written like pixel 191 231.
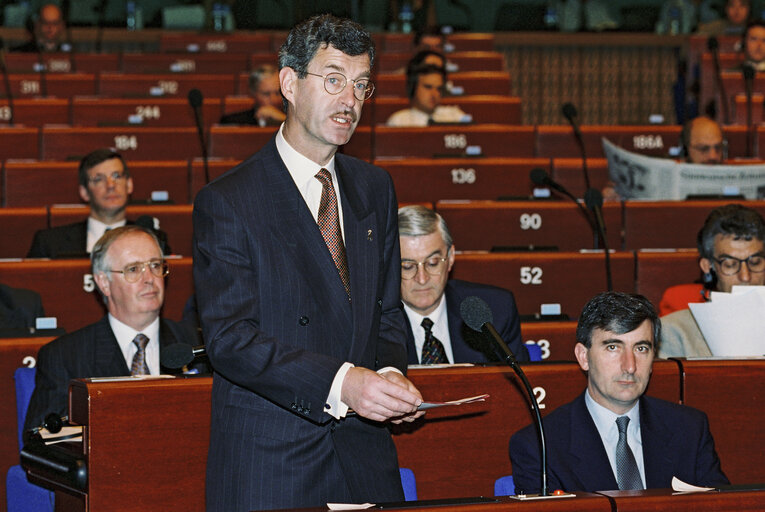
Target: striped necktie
pixel 329 224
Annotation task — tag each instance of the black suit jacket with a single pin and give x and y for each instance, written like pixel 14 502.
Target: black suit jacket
pixel 71 240
pixel 469 346
pixel 245 117
pixel 676 442
pixel 278 326
pixel 19 308
pixel 92 351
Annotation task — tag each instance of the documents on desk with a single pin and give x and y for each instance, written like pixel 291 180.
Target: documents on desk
pixel 680 486
pixel 733 323
pixel 73 433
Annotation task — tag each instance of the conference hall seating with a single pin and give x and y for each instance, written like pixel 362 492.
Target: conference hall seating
pixel 18 228
pixel 657 270
pixel 483 109
pixel 53 63
pixel 159 111
pixel 64 85
pixel 165 84
pixel 19 142
pixel 388 62
pixel 34 112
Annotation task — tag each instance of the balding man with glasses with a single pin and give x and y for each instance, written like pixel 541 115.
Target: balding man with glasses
pixel 436 332
pixel 106 184
pixel 129 270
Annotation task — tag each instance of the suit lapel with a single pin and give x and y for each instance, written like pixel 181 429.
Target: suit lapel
pixel 107 353
pixel 589 459
pixel 657 447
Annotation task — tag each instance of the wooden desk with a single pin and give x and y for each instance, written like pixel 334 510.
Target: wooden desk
pixel 481 225
pixel 657 271
pixel 35 111
pixel 142 112
pixel 652 140
pixel 568 172
pixel 209 63
pixel 241 42
pixel 123 85
pixel 18 228
pixel 566 278
pixel 64 85
pixel 238 142
pixel 19 142
pixel 502 109
pixel 62 62
pixel 434 179
pixel 389 62
pixel 471 82
pixel 664 499
pixel 556 339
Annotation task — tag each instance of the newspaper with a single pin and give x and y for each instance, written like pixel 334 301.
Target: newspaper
pixel 657 179
pixel 733 323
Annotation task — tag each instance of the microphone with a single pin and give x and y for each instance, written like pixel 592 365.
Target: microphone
pixel 570 113
pixel 477 315
pixel 146 221
pixel 594 201
pixel 53 423
pixel 195 100
pixel 540 177
pixel 749 72
pixel 178 355
pixel 714 47
pixel 6 82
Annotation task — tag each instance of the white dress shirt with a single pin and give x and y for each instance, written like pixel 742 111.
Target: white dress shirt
pixel 125 335
pixel 605 422
pixel 96 229
pixel 440 329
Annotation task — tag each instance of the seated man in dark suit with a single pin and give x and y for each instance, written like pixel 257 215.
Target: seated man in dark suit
pixel 268 109
pixel 612 436
pixel 430 298
pixel 106 184
pixel 19 308
pixel 129 270
pixel 48 32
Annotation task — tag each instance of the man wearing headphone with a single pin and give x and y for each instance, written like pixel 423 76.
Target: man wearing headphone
pixel 425 84
pixel 753 45
pixel 702 140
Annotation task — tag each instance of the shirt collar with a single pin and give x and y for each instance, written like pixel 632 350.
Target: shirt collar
pixel 301 168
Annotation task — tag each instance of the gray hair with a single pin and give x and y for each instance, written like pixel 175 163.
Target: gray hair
pixel 99 259
pixel 734 220
pixel 416 220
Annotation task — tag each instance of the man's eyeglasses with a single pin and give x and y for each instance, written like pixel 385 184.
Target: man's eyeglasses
pixel 335 82
pixel 706 148
pixel 100 179
pixel 730 266
pixel 133 271
pixel 433 266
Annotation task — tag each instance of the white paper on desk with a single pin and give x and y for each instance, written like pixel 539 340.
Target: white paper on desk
pixel 733 324
pixel 65 434
pixel 680 486
pixel 432 405
pixel 349 506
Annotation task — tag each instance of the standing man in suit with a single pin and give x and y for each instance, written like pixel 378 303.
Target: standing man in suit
pixel 612 436
pixel 106 184
pixel 297 271
pixel 268 107
pixel 129 270
pixel 431 299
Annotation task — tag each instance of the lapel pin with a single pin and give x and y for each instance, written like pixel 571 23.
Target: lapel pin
pixel 369 235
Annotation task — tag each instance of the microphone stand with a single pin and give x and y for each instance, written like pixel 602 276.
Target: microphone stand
pixel 7 83
pixel 594 201
pixel 713 46
pixel 748 72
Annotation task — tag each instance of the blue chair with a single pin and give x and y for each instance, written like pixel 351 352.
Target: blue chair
pixel 21 495
pixel 504 486
pixel 535 351
pixel 408 483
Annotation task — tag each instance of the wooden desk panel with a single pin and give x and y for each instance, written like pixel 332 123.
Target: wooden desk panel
pixel 739 113
pixel 35 112
pixel 123 85
pixel 19 142
pixel 212 63
pixel 32 183
pixel 65 85
pixel 472 83
pixel 672 224
pixel 18 228
pixel 62 62
pixel 142 112
pixel 652 140
pixel 68 293
pixel 431 180
pixel 484 109
pixel 556 339
pixel 568 278
pixel 459 61
pixel 481 225
pixel 241 42
pixel 134 143
pixel 238 142
pixel 216 166
pixel 657 271
pixel 568 172
pixel 732 393
pixel 14 353
pixel 665 499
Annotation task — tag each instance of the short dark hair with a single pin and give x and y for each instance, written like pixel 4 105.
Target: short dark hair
pixel 734 220
pixel 322 31
pixel 754 23
pixel 616 312
pixel 94 158
pixel 420 57
pixel 413 75
pixel 258 74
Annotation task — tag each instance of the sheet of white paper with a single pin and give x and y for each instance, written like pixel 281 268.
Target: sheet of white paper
pixel 349 506
pixel 732 324
pixel 680 486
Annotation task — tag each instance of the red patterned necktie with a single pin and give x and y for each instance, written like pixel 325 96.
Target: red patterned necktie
pixel 139 366
pixel 432 350
pixel 329 224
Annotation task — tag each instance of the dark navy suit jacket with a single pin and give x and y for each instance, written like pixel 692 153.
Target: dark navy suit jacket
pixel 278 326
pixel 469 346
pixel 92 351
pixel 676 442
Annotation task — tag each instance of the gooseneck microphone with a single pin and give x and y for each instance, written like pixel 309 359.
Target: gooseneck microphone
pixel 6 82
pixel 178 355
pixel 749 72
pixel 477 315
pixel 570 113
pixel 540 177
pixel 714 47
pixel 195 100
pixel 594 201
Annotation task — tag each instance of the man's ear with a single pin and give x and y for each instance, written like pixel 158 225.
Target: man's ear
pixel 84 194
pixel 103 284
pixel 705 265
pixel 580 351
pixel 288 82
pixel 129 185
pixel 450 260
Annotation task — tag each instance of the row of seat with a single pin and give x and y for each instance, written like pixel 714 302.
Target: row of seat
pixel 569 279
pixel 214 63
pixel 156 112
pixel 166 84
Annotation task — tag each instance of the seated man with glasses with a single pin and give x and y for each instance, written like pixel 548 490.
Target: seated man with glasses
pixel 731 248
pixel 106 184
pixel 129 270
pixel 431 300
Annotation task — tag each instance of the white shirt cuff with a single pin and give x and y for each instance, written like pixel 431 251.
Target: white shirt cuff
pixel 389 369
pixel 335 407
